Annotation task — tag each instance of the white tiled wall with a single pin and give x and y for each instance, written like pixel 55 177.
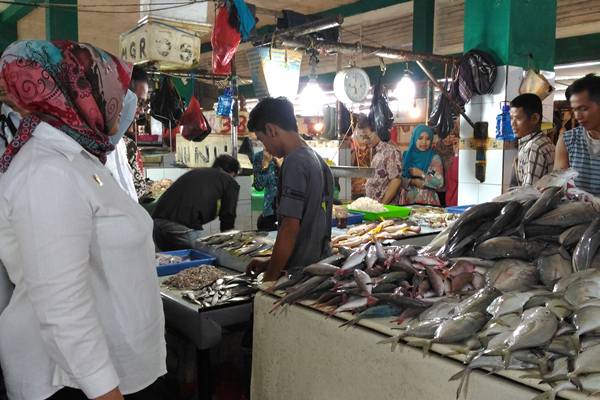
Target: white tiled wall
pixel 499 162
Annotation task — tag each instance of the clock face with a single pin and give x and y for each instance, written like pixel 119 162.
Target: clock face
pixel 356 85
pixel 352 85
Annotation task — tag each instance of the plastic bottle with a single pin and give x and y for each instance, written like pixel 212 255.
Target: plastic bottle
pixel 503 128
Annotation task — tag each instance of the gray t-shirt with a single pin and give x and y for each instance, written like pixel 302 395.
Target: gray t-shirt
pixel 306 193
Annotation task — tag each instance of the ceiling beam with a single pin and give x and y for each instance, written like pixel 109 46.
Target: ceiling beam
pixel 15 12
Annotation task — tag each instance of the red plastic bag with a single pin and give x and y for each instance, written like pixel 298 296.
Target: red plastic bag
pixel 225 41
pixel 195 125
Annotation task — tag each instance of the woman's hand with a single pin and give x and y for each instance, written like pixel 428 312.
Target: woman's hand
pixel 417 182
pixel 416 173
pixel 114 394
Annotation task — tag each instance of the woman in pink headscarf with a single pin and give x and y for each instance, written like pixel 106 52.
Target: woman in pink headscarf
pixel 84 319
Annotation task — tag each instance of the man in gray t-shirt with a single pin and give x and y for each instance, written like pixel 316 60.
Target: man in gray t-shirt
pixel 305 192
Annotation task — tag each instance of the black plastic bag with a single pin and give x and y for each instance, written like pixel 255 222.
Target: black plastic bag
pixel 381 117
pixel 166 105
pixel 442 116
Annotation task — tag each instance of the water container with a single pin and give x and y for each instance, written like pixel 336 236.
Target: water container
pixel 503 128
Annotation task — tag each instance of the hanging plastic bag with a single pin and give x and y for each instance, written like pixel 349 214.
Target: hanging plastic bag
pixel 442 116
pixel 225 40
pixel 536 83
pixel 381 117
pixel 195 125
pixel 166 105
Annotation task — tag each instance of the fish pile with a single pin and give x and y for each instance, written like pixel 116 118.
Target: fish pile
pixel 512 285
pixel 366 233
pixel 166 259
pixel 240 244
pixel 224 290
pixel 433 217
pixel 194 278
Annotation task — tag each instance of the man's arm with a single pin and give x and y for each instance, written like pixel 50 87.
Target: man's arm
pixel 229 202
pixel 561 158
pixel 284 246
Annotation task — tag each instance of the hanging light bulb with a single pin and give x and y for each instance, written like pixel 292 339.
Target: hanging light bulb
pixel 311 99
pixel 405 91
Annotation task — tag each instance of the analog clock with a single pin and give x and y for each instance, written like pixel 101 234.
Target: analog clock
pixel 351 85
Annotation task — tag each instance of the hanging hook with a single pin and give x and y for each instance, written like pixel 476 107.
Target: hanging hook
pixel 382 66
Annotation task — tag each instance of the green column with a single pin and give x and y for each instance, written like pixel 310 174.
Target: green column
pixel 512 30
pixel 423 13
pixel 8 34
pixel 61 22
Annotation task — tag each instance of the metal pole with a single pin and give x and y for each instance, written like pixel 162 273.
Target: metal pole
pixel 453 103
pixel 235 113
pixel 352 48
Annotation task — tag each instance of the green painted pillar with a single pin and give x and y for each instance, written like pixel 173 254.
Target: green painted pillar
pixel 8 34
pixel 61 22
pixel 423 13
pixel 512 30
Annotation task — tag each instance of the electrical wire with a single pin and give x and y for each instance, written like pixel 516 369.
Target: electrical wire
pixel 78 8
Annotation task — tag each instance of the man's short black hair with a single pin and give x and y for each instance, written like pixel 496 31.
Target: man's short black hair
pixel 227 163
pixel 530 103
pixel 138 75
pixel 278 111
pixel 589 83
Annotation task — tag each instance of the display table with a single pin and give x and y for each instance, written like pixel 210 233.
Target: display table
pixel 300 354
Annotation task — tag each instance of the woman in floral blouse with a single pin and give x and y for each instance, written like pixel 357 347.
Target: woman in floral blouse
pixel 384 185
pixel 423 170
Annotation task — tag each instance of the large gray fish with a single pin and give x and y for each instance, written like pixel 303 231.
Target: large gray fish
pixel 475 216
pixel 568 214
pixel 402 301
pixel 510 303
pixel 564 283
pixel 478 302
pixel 364 282
pixel 301 291
pixel 537 328
pixel 582 291
pixel 507 323
pixel 586 319
pixel 590 383
pixel 508 218
pixel 552 269
pixel 547 201
pixel 510 274
pixel 371 257
pixel 334 259
pixel 442 309
pixel 570 237
pixel 587 247
pixel 510 247
pixel 417 329
pixel 587 362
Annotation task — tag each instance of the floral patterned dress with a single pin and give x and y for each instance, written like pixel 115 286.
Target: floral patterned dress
pixel 387 163
pixel 434 181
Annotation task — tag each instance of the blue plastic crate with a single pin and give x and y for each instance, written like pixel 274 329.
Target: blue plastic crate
pixel 353 219
pixel 459 209
pixel 196 258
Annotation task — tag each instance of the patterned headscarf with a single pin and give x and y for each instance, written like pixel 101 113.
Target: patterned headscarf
pixel 415 158
pixel 75 87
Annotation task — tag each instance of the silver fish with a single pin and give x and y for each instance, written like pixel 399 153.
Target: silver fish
pixel 547 201
pixel 570 237
pixel 443 309
pixel 417 329
pixel 568 214
pixel 379 250
pixel 478 302
pixel 590 383
pixel 354 303
pixel 371 257
pixel 508 217
pixel 364 282
pixel 352 262
pixel 588 362
pixel 334 259
pixel 437 280
pixel 506 323
pixel 537 328
pixel 586 319
pixel 509 303
pixel 562 285
pixel 321 268
pixel 587 247
pixel 582 291
pixel 459 328
pixel 553 268
pixel 509 274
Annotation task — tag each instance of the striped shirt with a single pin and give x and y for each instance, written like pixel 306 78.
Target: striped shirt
pixel 583 161
pixel 535 158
